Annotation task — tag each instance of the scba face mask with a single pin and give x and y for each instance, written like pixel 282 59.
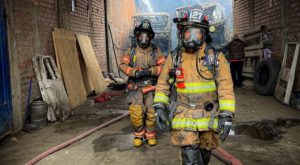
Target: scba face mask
pixel 143 39
pixel 192 38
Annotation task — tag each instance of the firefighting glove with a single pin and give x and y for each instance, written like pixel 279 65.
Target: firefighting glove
pixel 142 73
pixel 224 126
pixel 161 117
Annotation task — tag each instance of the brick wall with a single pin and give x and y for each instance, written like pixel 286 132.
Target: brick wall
pixel 98 23
pixel 88 18
pixel 281 16
pixel 30 26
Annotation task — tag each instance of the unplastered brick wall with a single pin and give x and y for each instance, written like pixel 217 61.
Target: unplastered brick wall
pixel 79 19
pixel 30 26
pixel 281 16
pixel 98 23
pixel 88 18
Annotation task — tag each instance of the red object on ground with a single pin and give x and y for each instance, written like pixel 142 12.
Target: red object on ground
pixel 236 60
pixel 75 139
pixel 226 157
pixel 107 95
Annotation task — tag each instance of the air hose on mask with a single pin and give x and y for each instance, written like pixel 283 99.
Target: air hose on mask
pixel 212 64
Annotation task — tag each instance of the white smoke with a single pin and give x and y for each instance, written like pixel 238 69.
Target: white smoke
pixel 148 5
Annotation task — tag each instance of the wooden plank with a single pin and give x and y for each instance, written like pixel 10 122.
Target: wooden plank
pixel 86 79
pixel 65 43
pixel 56 56
pixel 249 69
pixel 292 76
pixel 249 75
pixel 55 88
pixel 253 53
pixel 35 63
pixel 287 76
pixel 280 91
pixel 91 62
pixel 254 47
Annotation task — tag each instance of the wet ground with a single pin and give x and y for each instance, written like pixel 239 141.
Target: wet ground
pixel 265 132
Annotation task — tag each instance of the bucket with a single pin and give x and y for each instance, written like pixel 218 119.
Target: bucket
pixel 295 100
pixel 38 113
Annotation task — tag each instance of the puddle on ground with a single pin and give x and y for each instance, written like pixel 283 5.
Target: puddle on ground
pixel 122 142
pixel 265 129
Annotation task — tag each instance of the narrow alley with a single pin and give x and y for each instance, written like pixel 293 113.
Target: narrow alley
pixel 77 85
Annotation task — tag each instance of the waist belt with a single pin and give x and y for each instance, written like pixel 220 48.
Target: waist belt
pixel 208 105
pixel 143 82
pixel 191 106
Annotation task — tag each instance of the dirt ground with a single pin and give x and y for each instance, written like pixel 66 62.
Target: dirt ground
pixel 265 132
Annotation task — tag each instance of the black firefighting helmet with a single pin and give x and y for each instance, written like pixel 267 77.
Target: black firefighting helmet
pixel 193 28
pixel 144 33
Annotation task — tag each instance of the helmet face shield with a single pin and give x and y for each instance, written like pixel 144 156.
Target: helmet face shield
pixel 192 38
pixel 143 39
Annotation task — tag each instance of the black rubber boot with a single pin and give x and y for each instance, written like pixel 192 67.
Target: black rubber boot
pixel 205 156
pixel 191 155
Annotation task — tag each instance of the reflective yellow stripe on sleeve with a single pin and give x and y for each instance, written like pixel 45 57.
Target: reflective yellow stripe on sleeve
pixel 161 98
pixel 228 105
pixel 198 87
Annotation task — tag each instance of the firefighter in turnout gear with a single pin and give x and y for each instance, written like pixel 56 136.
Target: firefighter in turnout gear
pixel 143 64
pixel 194 95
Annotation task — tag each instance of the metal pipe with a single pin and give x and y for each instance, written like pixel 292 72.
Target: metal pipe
pixel 113 44
pixel 106 37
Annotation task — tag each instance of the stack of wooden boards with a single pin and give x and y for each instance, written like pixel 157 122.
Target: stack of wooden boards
pixel 78 66
pixel 286 77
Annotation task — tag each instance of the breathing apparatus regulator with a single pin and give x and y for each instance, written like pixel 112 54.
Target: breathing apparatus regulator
pixel 193 30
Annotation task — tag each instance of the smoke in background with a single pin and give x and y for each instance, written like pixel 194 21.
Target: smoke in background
pixel 170 6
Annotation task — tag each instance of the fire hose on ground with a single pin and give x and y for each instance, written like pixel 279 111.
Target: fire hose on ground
pixel 220 153
pixel 73 140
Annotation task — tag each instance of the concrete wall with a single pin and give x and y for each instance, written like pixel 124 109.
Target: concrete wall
pixel 281 16
pixel 121 25
pixel 30 26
